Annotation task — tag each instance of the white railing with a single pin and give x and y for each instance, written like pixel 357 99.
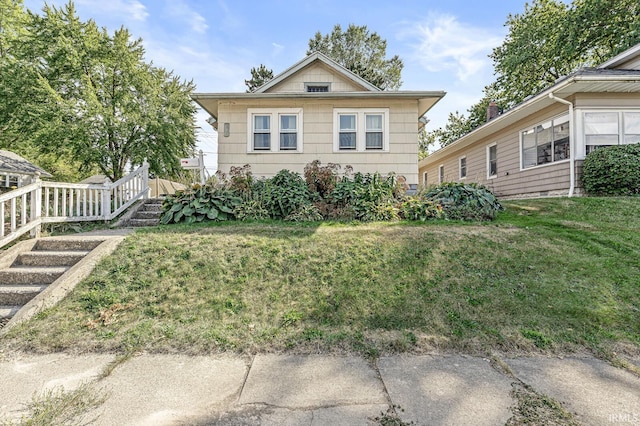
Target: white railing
pixel 25 209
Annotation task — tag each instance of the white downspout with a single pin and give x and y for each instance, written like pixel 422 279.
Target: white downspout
pixel 572 151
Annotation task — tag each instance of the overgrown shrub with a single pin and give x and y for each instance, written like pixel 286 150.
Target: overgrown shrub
pixel 613 170
pixel 322 194
pixel 414 208
pixel 198 203
pixel 462 201
pixel 321 180
pixel 282 194
pixel 370 196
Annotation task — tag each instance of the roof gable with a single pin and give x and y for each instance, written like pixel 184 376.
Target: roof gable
pixel 315 58
pixel 629 59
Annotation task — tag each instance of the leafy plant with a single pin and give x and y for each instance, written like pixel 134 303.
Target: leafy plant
pixel 321 180
pixel 613 170
pixel 283 194
pixel 305 213
pixel 198 203
pixel 417 209
pixel 461 201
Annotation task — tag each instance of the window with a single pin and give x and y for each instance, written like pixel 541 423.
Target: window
pixel 424 178
pixel 545 143
pixel 605 128
pixel 274 130
pixel 261 132
pixel 463 167
pixel 347 131
pixel 441 173
pixel 373 131
pixel 360 130
pixel 317 87
pixel 288 132
pixel 492 161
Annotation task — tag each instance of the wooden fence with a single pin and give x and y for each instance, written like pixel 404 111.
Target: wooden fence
pixel 25 209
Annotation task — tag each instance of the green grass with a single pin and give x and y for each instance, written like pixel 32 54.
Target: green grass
pixel 550 275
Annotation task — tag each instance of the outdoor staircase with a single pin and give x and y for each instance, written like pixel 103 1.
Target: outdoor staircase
pixel 34 270
pixel 147 214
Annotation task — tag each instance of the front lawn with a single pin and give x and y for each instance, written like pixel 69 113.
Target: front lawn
pixel 551 275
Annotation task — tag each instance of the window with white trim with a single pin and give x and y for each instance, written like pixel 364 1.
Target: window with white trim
pixel 441 173
pixel 606 128
pixel 261 132
pixel 492 161
pixel 425 178
pixel 274 130
pixel 462 165
pixel 348 131
pixel 361 130
pixel 288 132
pixel 373 138
pixel 546 142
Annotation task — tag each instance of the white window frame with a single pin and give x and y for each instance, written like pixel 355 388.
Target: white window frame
pixel 425 176
pixel 464 157
pixel 441 173
pixel 275 114
pixel 361 114
pixel 489 175
pixel 554 122
pixel 621 125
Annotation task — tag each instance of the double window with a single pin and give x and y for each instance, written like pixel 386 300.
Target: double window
pixel 547 142
pixel 361 130
pixel 607 128
pixel 274 130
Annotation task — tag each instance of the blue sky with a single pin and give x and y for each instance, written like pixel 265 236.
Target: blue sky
pixel 444 44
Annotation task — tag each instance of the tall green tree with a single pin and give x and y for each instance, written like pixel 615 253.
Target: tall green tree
pixel 549 40
pixel 96 100
pixel 361 52
pixel 259 76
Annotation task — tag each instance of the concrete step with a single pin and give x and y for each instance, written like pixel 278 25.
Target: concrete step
pixel 147 214
pixel 49 258
pixel 143 222
pixel 64 244
pixel 14 295
pixel 30 275
pixel 151 207
pixel 8 311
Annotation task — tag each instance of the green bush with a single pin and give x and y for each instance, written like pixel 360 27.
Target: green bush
pixel 198 203
pixel 461 201
pixel 324 195
pixel 282 194
pixel 613 170
pixel 370 196
pixel 414 208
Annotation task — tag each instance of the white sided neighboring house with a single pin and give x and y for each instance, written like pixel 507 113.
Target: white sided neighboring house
pixel 319 110
pixel 537 148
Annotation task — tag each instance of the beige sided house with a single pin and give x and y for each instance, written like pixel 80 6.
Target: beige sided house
pixel 319 110
pixel 537 148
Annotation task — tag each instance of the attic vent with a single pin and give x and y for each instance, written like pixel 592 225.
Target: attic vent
pixel 316 87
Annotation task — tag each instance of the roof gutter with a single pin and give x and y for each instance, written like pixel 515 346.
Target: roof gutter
pixel 572 150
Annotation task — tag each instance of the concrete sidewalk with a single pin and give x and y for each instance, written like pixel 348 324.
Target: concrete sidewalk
pixel 323 390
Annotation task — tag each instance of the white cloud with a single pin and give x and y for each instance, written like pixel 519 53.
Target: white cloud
pixel 277 48
pixel 182 11
pixel 130 9
pixel 445 44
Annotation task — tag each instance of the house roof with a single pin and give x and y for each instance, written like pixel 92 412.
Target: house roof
pixel 586 80
pixel 426 99
pixel 316 57
pixel 12 163
pixel 622 57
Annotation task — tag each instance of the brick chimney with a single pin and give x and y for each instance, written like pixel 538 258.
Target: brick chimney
pixel 492 111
